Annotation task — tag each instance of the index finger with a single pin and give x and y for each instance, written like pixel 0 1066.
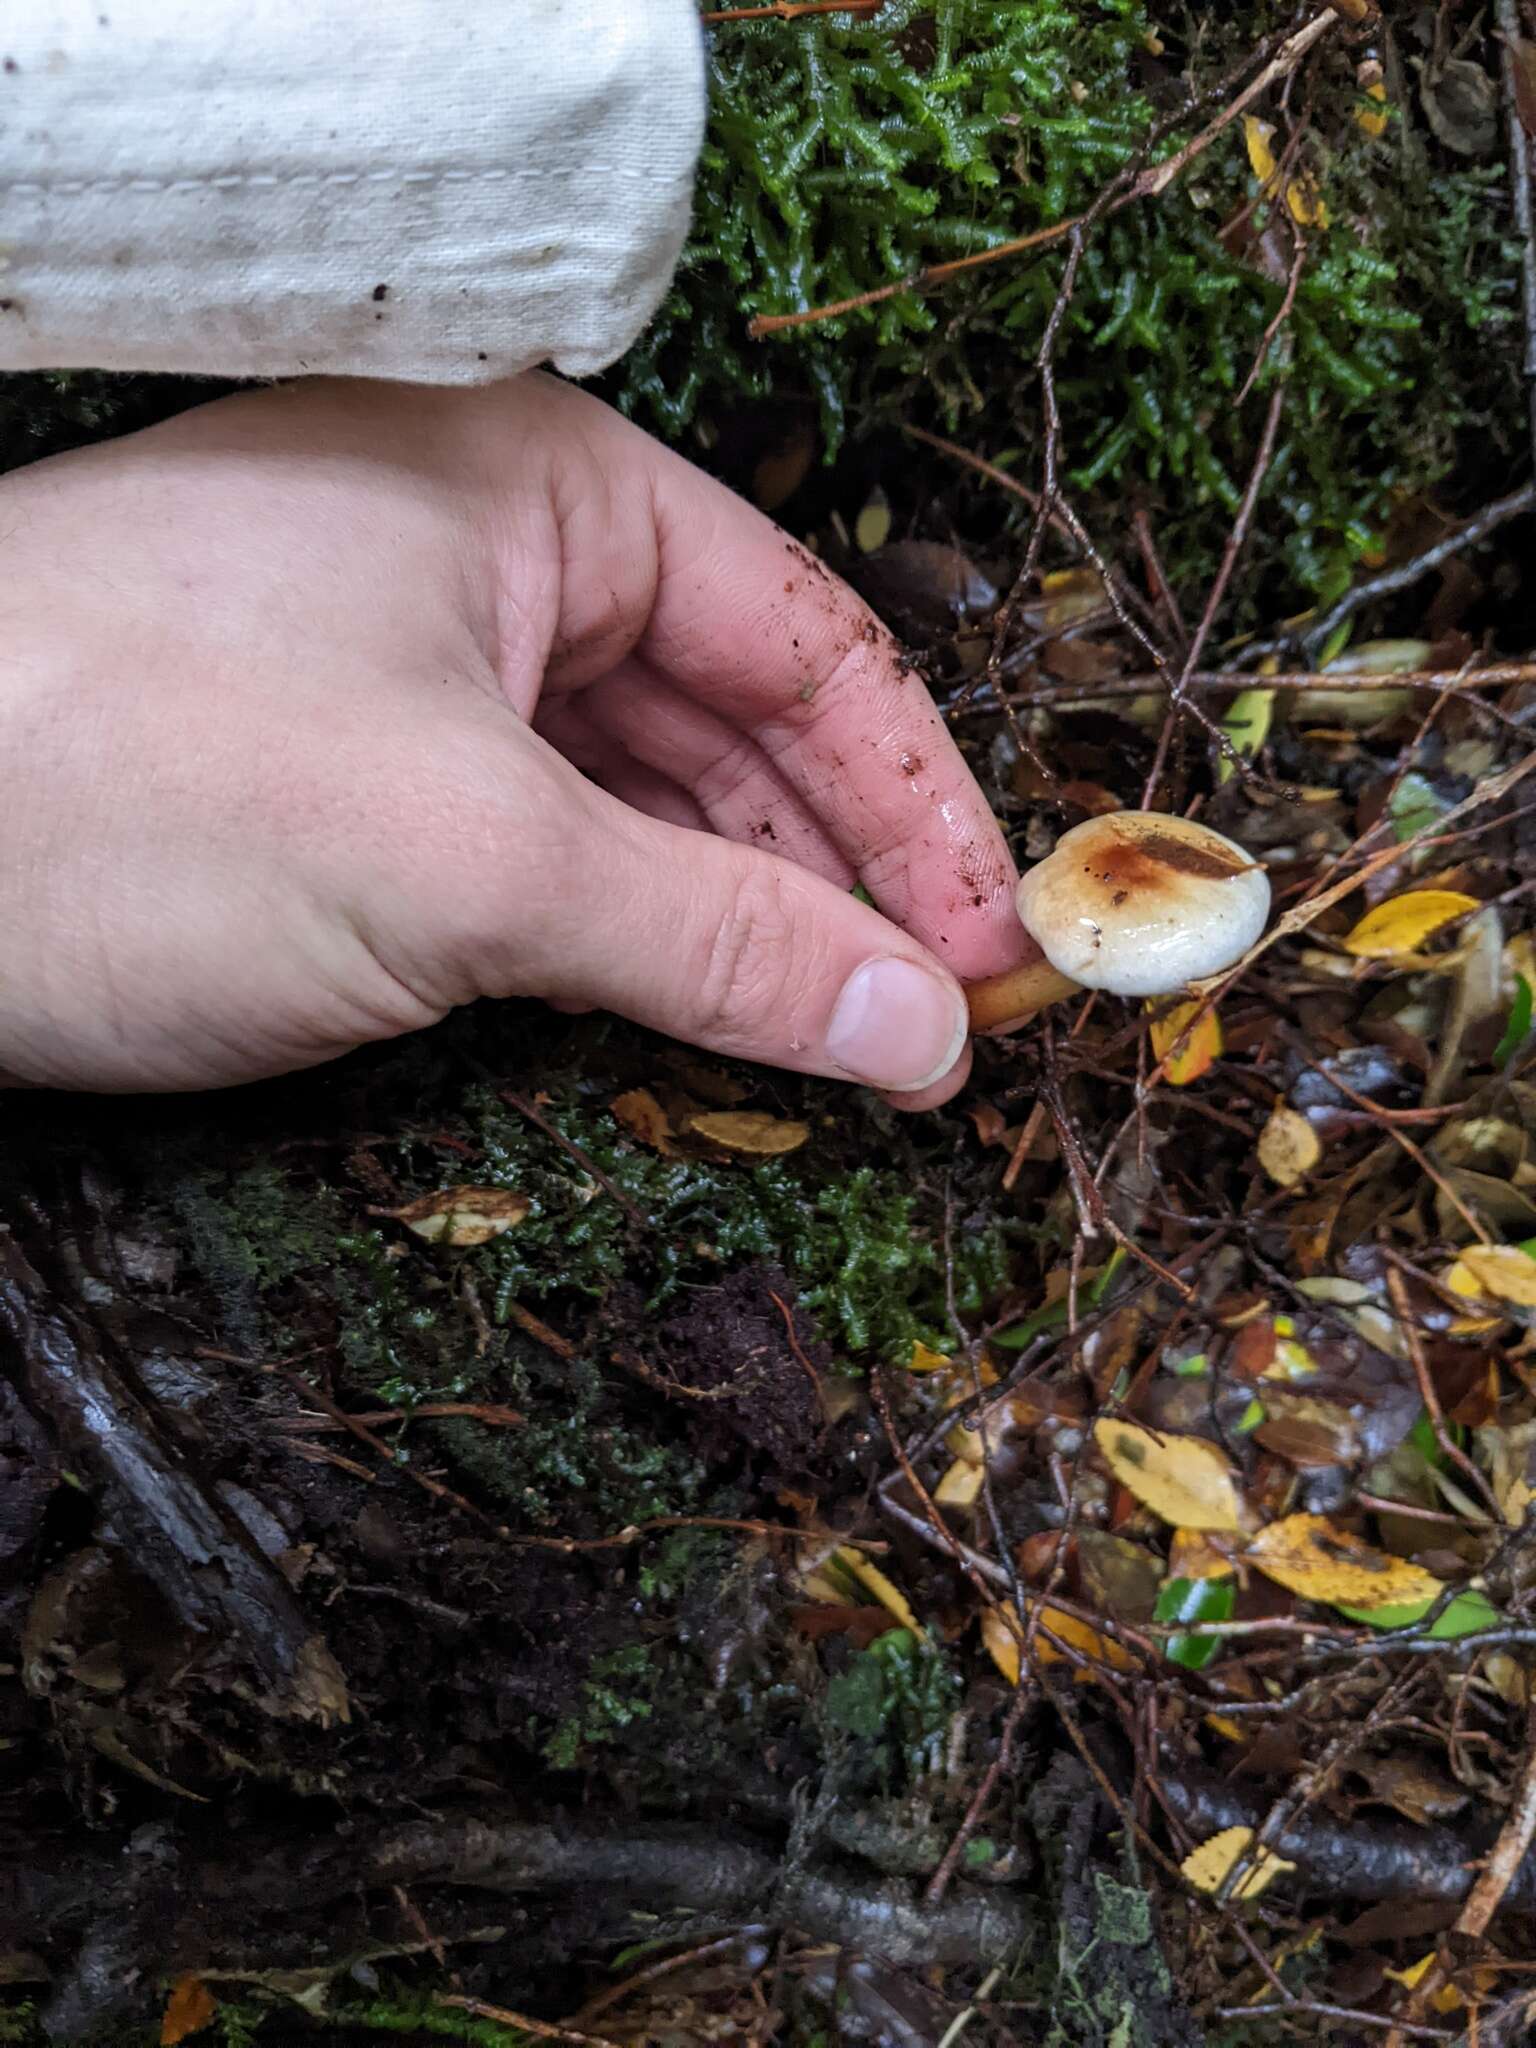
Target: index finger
pixel 750 622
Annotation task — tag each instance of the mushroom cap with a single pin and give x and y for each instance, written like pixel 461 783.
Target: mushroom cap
pixel 1138 904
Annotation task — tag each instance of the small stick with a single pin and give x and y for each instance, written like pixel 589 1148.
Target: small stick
pixel 1236 540
pixel 583 1159
pixel 1487 1895
pixel 1401 1308
pixel 1466 535
pixel 541 2028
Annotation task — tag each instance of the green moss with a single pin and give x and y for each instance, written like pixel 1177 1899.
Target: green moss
pixel 898 1696
pixel 845 159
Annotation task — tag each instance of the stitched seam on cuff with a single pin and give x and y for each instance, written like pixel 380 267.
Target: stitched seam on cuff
pixel 263 181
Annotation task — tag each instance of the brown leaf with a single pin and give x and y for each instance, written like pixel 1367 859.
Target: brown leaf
pixel 751 1132
pixel 1522 53
pixel 1082 661
pixel 1412 1787
pixel 462 1216
pixel 190 2007
pixel 644 1118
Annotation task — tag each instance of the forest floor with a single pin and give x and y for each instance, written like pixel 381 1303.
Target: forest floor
pixel 532 1534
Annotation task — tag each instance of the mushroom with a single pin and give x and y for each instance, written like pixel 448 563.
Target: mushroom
pixel 1134 903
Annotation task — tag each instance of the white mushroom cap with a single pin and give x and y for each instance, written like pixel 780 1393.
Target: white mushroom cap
pixel 1138 904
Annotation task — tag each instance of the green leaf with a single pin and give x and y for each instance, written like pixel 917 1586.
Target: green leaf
pixel 1195 1367
pixel 1246 726
pixel 1415 805
pixel 1250 1418
pixel 1466 1615
pixel 1194 1600
pixel 1517 1027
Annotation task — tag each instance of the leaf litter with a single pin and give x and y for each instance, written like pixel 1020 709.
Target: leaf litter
pixel 1179 1549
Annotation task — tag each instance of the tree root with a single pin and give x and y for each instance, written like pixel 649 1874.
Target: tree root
pixel 260 1907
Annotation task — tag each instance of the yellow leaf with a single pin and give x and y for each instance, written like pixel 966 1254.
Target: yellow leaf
pixel 1069 595
pixel 1192 1555
pixel 750 1131
pixel 924 1360
pixel 961 1485
pixel 1495 1272
pixel 874 1581
pixel 872 528
pixel 1224 1725
pixel 1313 1557
pixel 1207 1867
pixel 462 1216
pixel 1301 193
pixel 1202 1044
pixel 1289 1148
pixel 1000 1632
pixel 1261 157
pixel 188 2010
pixel 1403 923
pixel 1183 1479
pixel 1446 1999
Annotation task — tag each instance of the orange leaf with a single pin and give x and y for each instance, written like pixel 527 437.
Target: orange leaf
pixel 188 2010
pixel 1000 1631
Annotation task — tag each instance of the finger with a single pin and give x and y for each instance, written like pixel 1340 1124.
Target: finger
pixel 733 782
pixel 726 947
pixel 616 770
pixel 723 604
pixel 940 1092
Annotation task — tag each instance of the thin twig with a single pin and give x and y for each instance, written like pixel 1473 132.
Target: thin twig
pixel 1236 541
pixel 506 2018
pixel 1390 581
pixel 1498 1873
pixel 583 1159
pixel 1520 167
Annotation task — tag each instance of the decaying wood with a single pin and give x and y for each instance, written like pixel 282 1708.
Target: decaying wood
pixel 178 1533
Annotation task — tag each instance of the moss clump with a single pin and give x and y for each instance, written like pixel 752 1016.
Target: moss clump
pixel 897 1696
pixel 841 160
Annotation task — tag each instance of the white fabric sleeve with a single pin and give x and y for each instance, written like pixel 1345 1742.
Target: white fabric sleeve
pixel 445 191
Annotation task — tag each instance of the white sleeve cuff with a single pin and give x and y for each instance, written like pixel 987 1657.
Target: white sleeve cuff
pixel 445 191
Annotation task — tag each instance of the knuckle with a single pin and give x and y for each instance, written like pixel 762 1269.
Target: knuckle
pixel 752 959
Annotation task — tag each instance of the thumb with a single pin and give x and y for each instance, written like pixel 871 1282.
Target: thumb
pixel 741 952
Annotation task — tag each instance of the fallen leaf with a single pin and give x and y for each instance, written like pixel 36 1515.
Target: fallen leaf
pixel 1067 595
pixel 1301 194
pixel 644 1118
pixel 872 528
pixel 890 1597
pixel 1403 923
pixel 1494 1272
pixel 1371 112
pixel 1461 104
pixel 1206 1867
pixel 924 1360
pixel 1201 1045
pixel 1410 1785
pixel 1468 1614
pixel 780 473
pixel 1192 1600
pixel 188 2010
pixel 1289 1148
pixel 462 1216
pixel 1192 1555
pixel 1183 1479
pixel 751 1132
pixel 1000 1632
pixel 1246 726
pixel 1522 53
pixel 1314 1558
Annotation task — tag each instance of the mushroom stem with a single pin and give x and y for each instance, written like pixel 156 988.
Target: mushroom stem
pixel 1005 1001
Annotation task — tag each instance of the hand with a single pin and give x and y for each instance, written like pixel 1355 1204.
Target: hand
pixel 296 695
